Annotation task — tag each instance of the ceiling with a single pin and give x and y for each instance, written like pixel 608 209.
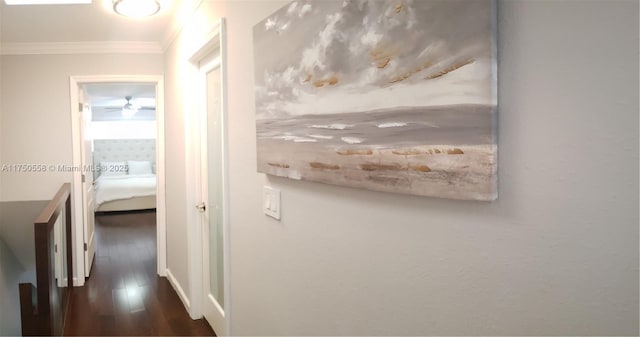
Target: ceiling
pixel 94 22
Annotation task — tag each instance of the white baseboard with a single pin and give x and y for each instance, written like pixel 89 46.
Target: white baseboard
pixel 176 286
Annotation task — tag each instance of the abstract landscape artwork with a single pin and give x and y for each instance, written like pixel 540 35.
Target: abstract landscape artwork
pixel 387 95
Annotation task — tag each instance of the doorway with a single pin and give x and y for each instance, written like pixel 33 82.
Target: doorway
pixel 83 202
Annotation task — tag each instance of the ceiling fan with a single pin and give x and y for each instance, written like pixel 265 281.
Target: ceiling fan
pixel 129 109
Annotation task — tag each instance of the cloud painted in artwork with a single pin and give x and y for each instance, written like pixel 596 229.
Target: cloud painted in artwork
pixel 362 47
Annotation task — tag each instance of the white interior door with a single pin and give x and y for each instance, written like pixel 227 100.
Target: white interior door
pixel 87 184
pixel 211 207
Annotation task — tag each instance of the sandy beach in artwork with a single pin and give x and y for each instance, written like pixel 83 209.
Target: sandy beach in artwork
pixel 460 172
pixel 443 151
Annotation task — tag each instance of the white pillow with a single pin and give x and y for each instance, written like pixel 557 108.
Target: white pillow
pixel 139 167
pixel 113 168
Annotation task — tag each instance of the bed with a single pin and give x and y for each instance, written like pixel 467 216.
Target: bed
pixel 125 186
pixel 125 193
pixel 126 178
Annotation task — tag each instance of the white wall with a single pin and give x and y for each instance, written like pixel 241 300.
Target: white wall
pixel 557 253
pixel 17 259
pixel 1 129
pixel 175 111
pixel 9 321
pixel 9 279
pixel 36 113
pixel 124 130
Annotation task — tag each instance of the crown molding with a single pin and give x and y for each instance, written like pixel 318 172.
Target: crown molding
pixel 89 47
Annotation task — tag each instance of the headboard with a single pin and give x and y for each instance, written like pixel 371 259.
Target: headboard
pixel 123 150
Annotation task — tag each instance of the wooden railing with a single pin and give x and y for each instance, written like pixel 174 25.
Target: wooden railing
pixel 43 307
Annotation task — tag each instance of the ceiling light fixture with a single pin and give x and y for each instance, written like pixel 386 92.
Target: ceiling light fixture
pixel 129 110
pixel 136 8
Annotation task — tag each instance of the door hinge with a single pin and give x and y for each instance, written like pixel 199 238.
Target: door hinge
pixel 80 107
pixel 85 247
pixel 84 179
pixel 55 247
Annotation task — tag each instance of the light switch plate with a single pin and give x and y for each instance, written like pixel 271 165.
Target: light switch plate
pixel 271 202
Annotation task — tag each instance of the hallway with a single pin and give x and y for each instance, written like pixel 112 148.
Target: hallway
pixel 124 295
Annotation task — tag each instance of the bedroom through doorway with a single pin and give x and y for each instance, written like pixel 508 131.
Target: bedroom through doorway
pixel 120 136
pixel 119 144
pixel 119 212
pixel 122 133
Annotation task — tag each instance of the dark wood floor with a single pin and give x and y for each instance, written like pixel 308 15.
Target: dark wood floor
pixel 124 295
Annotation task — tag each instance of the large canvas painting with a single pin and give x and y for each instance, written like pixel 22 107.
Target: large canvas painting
pixel 387 95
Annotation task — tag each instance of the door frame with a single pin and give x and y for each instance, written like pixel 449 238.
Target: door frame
pixel 214 42
pixel 75 82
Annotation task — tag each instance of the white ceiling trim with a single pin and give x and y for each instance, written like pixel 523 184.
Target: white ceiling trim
pixel 90 47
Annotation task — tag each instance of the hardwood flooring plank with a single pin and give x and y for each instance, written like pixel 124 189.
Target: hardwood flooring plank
pixel 124 296
pixel 120 301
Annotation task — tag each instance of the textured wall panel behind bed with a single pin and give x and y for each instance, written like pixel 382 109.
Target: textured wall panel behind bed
pixel 123 150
